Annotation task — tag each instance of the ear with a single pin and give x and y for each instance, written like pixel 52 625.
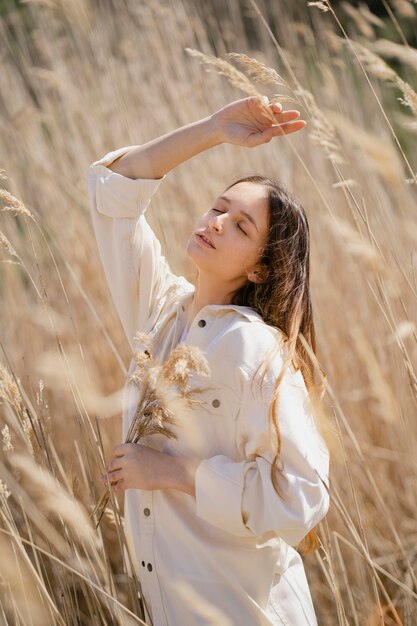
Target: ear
pixel 258 274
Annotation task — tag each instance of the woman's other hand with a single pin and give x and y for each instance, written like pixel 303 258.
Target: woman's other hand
pixel 135 466
pixel 250 122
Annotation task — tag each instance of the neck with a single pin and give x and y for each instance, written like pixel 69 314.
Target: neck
pixel 208 291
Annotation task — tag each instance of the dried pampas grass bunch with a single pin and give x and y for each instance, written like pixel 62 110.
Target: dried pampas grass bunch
pixel 164 389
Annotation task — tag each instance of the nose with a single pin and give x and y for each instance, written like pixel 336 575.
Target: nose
pixel 215 224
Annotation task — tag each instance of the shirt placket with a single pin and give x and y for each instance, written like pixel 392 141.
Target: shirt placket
pixel 197 335
pixel 199 331
pixel 149 578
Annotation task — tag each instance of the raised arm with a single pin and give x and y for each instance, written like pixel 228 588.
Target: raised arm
pixel 247 122
pixel 122 183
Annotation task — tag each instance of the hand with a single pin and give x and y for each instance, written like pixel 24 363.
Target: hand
pixel 135 466
pixel 249 122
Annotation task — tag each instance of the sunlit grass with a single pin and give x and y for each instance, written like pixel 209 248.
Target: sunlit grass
pixel 78 80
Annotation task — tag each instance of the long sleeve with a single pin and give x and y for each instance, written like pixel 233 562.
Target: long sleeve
pixel 138 275
pixel 239 497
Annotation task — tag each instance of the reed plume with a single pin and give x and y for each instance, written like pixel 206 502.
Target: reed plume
pixel 13 204
pixel 235 77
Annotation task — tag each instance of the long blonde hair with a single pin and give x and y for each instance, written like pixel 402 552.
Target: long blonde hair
pixel 283 301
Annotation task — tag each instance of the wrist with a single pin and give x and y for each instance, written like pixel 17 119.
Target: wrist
pixel 213 130
pixel 181 474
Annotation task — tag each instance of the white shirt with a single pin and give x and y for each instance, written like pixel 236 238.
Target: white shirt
pixel 225 556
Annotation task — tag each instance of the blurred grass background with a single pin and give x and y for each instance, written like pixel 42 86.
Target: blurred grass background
pixel 80 78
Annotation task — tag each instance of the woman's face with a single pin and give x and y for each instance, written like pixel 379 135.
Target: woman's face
pixel 228 239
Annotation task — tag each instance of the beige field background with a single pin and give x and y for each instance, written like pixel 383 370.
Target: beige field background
pixel 80 78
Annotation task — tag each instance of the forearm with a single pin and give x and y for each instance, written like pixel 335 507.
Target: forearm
pixel 246 122
pixel 155 158
pixel 180 474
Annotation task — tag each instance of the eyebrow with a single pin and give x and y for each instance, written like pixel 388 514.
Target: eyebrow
pixel 247 215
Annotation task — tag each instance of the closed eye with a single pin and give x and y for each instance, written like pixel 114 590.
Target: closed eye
pixel 238 225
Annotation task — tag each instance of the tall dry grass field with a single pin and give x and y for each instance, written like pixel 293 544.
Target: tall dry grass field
pixel 80 78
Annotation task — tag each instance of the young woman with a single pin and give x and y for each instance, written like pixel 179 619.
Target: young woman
pixel 213 518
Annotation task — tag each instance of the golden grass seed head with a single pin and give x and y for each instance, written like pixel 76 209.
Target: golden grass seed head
pixel 143 343
pixel 7 245
pixel 4 491
pixel 9 391
pixel 6 439
pixel 323 6
pixel 410 96
pixel 234 76
pixel 257 71
pixel 142 360
pixel 14 204
pixel 183 361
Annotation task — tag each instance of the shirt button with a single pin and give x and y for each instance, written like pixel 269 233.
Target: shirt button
pixel 149 567
pixel 146 512
pixel 215 403
pixel 143 563
pixel 182 307
pixel 202 323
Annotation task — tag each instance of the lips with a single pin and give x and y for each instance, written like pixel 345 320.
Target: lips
pixel 206 239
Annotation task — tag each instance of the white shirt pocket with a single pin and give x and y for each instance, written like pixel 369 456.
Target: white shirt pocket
pixel 208 428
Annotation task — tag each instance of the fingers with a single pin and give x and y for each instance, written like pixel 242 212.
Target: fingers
pixel 287 116
pixel 119 450
pixel 291 127
pixel 279 130
pixel 115 464
pixel 118 462
pixel 264 107
pixel 112 477
pixel 287 124
pixel 114 474
pixel 276 107
pixel 262 111
pixel 120 486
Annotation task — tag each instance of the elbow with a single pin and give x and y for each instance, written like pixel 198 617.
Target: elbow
pixel 312 508
pixel 303 503
pixel 291 515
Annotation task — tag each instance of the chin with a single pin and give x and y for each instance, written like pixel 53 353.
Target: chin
pixel 196 255
pixel 194 251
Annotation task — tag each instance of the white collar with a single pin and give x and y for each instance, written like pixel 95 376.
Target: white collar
pixel 246 311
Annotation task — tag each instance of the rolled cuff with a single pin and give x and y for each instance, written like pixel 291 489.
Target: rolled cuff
pixel 239 497
pixel 119 196
pixel 218 491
